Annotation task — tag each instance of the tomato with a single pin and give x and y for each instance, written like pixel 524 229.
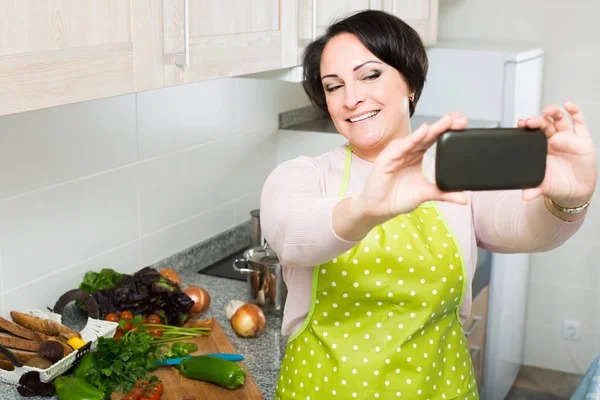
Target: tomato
pixel 126 315
pixel 171 275
pixel 128 326
pixel 153 319
pixel 155 331
pixel 118 335
pixel 133 396
pixel 154 392
pixel 112 317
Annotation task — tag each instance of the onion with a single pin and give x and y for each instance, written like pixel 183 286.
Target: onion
pixel 171 275
pixel 232 307
pixel 248 321
pixel 201 299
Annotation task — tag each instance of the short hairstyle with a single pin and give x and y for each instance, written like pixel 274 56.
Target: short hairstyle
pixel 389 38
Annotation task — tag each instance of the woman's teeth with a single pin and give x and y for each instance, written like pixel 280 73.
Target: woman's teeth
pixel 364 116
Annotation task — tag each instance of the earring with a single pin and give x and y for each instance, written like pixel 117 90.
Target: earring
pixel 411 97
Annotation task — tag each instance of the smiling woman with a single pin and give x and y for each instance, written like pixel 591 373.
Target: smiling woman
pixel 377 260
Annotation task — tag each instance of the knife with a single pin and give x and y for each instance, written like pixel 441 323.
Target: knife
pixel 224 356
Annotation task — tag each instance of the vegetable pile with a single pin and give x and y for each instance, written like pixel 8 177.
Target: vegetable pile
pixel 146 292
pixel 117 365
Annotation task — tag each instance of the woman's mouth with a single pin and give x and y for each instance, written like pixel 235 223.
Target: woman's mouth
pixel 364 116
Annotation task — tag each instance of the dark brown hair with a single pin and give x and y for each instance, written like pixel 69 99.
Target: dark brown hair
pixel 389 38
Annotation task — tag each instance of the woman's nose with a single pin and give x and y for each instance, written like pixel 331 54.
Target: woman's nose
pixel 354 96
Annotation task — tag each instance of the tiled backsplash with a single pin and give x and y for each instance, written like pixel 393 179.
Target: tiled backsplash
pixel 128 181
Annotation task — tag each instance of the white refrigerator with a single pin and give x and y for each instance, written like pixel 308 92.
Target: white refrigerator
pixel 492 82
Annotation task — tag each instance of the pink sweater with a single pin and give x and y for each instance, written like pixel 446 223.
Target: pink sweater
pixel 296 218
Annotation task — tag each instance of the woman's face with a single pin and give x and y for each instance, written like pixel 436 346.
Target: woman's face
pixel 366 98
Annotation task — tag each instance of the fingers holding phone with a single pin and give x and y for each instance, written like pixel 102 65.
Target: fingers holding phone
pixel 571 163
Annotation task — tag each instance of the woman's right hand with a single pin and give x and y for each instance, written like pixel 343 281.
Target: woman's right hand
pixel 397 184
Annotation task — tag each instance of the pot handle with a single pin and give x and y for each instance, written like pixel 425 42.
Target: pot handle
pixel 242 270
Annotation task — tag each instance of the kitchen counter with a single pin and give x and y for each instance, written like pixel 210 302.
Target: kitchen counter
pixel 262 355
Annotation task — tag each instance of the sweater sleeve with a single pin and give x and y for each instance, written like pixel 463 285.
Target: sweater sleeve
pixel 296 216
pixel 504 223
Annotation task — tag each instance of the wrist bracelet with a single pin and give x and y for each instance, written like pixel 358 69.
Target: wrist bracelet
pixel 570 210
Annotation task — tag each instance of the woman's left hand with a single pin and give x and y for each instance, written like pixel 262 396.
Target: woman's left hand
pixel 571 167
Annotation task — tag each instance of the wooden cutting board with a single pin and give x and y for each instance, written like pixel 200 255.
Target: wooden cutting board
pixel 177 387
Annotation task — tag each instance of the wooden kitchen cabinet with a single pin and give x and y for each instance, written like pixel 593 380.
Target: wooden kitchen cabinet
pixel 422 15
pixel 59 52
pixel 475 331
pixel 228 38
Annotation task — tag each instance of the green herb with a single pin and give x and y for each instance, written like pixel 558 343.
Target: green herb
pixel 120 363
pixel 94 281
pixel 105 279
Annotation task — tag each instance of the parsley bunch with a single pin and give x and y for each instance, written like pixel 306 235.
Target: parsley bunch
pixel 120 363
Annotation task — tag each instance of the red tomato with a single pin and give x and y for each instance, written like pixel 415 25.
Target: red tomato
pixel 153 319
pixel 126 315
pixel 118 334
pixel 112 317
pixel 128 326
pixel 133 396
pixel 155 331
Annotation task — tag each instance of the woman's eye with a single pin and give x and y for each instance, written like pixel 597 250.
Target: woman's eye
pixel 332 88
pixel 372 76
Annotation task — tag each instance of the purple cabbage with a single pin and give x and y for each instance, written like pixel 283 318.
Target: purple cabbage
pixel 143 293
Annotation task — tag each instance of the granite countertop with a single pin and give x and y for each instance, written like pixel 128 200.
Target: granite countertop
pixel 262 355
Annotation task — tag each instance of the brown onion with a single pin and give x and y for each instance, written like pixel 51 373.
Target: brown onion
pixel 201 299
pixel 248 321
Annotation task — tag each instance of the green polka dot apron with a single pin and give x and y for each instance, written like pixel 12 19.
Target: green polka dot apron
pixel 383 321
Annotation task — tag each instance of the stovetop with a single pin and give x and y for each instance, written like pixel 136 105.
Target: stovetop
pixel 224 267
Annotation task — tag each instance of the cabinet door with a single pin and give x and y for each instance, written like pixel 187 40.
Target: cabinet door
pixel 59 52
pixel 314 21
pixel 422 15
pixel 228 37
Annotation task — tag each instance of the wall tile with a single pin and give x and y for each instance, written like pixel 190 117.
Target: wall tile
pixel 257 103
pixel 179 117
pixel 54 145
pixel 181 185
pixel 253 157
pixel 244 205
pixel 545 348
pixel 45 291
pixel 48 230
pixel 572 264
pixel 551 304
pixel 180 236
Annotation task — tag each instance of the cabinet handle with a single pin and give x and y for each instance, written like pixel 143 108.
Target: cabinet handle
pixel 314 19
pixel 476 321
pixel 183 59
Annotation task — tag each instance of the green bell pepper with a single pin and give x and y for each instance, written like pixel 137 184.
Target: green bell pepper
pixel 87 361
pixel 181 350
pixel 212 369
pixel 68 388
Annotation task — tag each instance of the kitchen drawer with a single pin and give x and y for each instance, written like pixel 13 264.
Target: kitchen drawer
pixel 475 328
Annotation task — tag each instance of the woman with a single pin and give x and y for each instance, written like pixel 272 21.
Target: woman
pixel 377 260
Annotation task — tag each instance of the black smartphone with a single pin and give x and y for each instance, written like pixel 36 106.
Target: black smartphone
pixel 490 159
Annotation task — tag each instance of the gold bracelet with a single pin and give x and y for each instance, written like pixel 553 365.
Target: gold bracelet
pixel 570 210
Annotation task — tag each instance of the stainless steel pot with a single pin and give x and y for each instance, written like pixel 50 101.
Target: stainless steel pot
pixel 266 287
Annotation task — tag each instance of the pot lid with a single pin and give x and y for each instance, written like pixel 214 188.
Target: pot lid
pixel 262 255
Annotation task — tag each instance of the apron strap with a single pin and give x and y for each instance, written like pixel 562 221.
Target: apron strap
pixel 346 173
